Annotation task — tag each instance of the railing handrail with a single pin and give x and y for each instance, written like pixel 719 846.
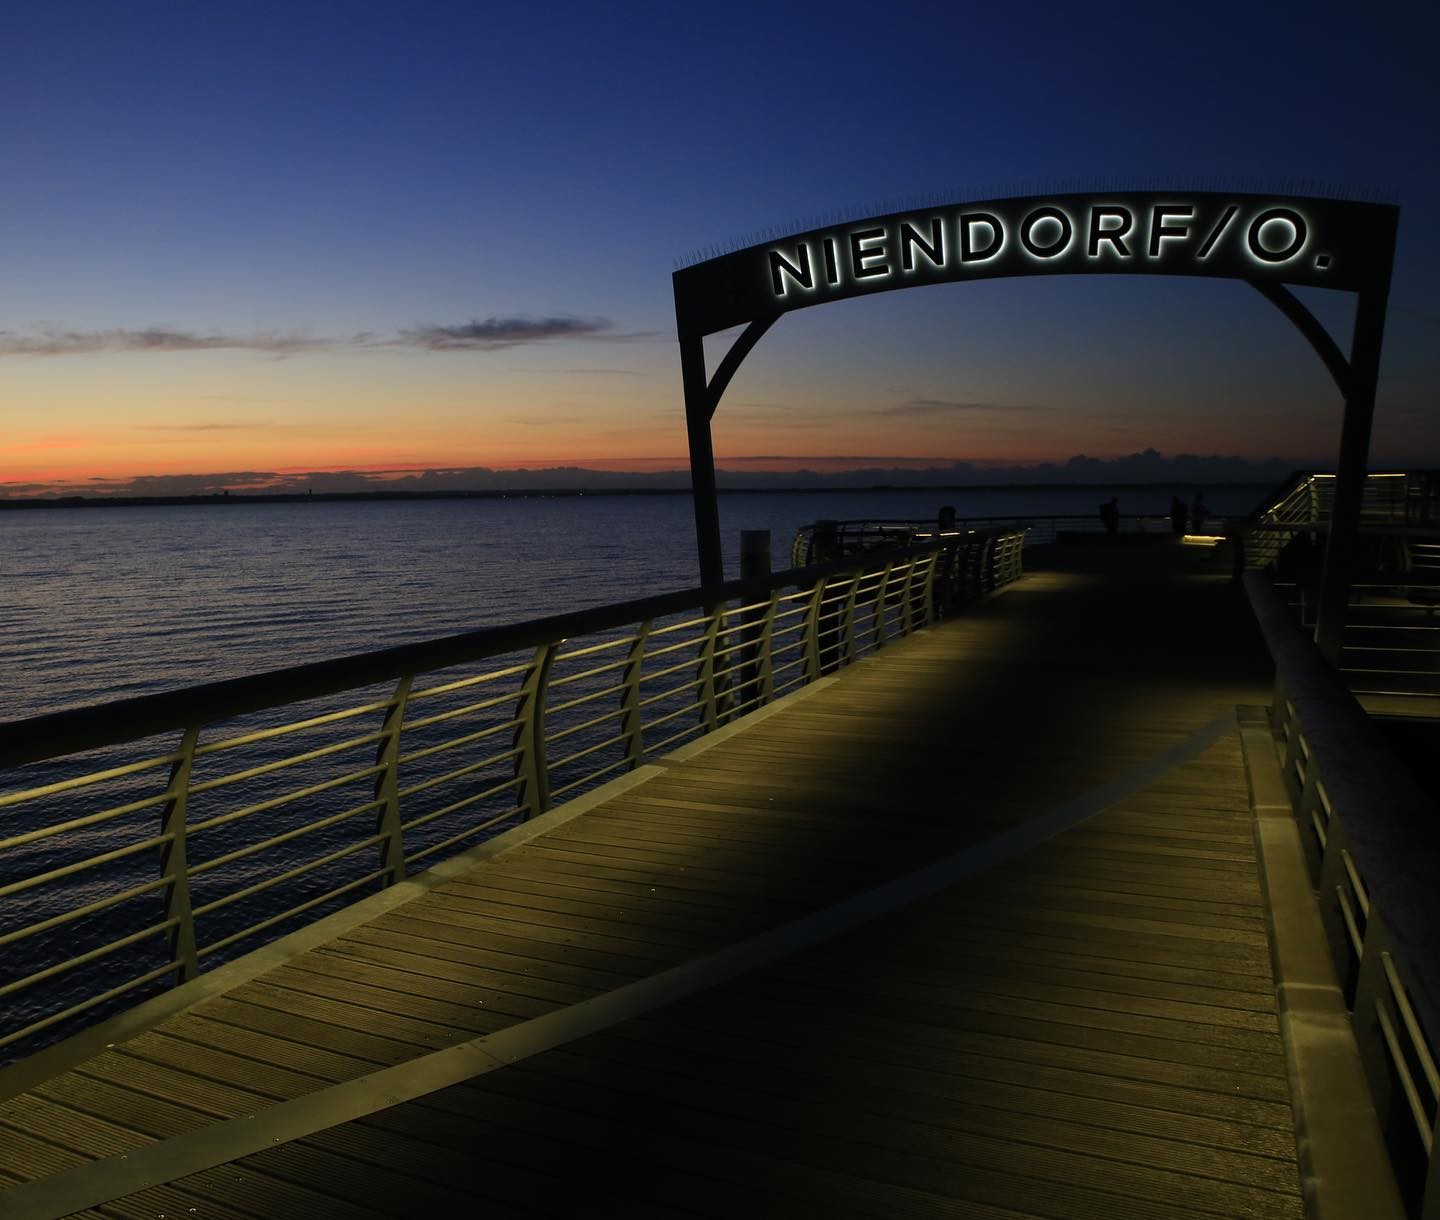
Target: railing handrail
pixel 1379 803
pixel 1321 525
pixel 117 721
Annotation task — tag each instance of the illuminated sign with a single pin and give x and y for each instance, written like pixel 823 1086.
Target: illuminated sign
pixel 1162 234
pixel 1318 242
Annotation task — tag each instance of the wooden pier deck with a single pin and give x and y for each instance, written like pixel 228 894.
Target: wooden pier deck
pixel 971 929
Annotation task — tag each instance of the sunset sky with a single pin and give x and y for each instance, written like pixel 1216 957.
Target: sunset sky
pixel 240 241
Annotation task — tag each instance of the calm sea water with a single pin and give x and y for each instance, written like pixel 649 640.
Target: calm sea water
pixel 99 604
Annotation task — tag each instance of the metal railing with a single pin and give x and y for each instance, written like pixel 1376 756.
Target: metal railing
pixel 144 840
pixel 1391 643
pixel 1373 851
pixel 1301 507
pixel 850 537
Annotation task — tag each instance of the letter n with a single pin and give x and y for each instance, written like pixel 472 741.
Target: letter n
pixel 798 271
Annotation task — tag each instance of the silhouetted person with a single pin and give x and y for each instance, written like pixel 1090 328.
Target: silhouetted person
pixel 1177 515
pixel 947 518
pixel 1198 512
pixel 1110 516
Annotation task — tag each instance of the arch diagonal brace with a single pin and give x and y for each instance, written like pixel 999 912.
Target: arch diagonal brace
pixel 741 348
pixel 1309 325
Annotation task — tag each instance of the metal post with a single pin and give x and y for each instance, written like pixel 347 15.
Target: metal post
pixel 928 599
pixel 174 865
pixel 845 652
pixel 630 726
pixel 531 767
pixel 766 676
pixel 878 618
pixel 812 632
pixel 702 460
pixel 387 787
pixel 705 674
pixel 754 565
pixel 1350 471
pixel 907 599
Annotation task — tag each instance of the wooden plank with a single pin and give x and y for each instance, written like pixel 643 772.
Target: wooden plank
pixel 949 985
pixel 535 945
pixel 351 1183
pixel 939 1165
pixel 927 1126
pixel 738 1173
pixel 897 1043
pixel 274 1038
pixel 1045 901
pixel 159 1117
pixel 636 907
pixel 1224 1117
pixel 1006 966
pixel 946 1003
pixel 483 1164
pixel 520 983
pixel 655 934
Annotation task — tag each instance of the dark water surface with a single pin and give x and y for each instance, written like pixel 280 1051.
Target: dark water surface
pixel 97 604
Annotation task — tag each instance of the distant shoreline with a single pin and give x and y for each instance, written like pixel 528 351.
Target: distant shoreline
pixel 217 499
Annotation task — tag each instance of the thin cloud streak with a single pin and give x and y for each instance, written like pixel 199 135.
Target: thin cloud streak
pixel 494 334
pixel 923 407
pixel 150 339
pixel 258 426
pixel 477 335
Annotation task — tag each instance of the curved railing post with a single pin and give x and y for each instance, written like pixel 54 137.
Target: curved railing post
pixel 630 726
pixel 765 659
pixel 882 595
pixel 847 623
pixel 907 598
pixel 758 622
pixel 932 571
pixel 812 632
pixel 174 865
pixel 387 787
pixel 709 700
pixel 969 584
pixel 530 765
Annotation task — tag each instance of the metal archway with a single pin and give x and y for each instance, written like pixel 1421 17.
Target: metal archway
pixel 1267 241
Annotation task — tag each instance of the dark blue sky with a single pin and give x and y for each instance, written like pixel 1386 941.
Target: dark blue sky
pixel 273 180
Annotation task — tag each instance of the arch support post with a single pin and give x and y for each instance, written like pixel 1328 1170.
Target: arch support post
pixel 702 460
pixel 702 396
pixel 1350 469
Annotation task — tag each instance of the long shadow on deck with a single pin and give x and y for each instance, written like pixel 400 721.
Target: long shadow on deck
pixel 1106 655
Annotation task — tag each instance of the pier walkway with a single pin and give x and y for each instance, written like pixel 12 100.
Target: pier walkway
pixel 972 928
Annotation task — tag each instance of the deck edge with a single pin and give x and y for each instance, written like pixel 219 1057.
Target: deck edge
pixel 1344 1169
